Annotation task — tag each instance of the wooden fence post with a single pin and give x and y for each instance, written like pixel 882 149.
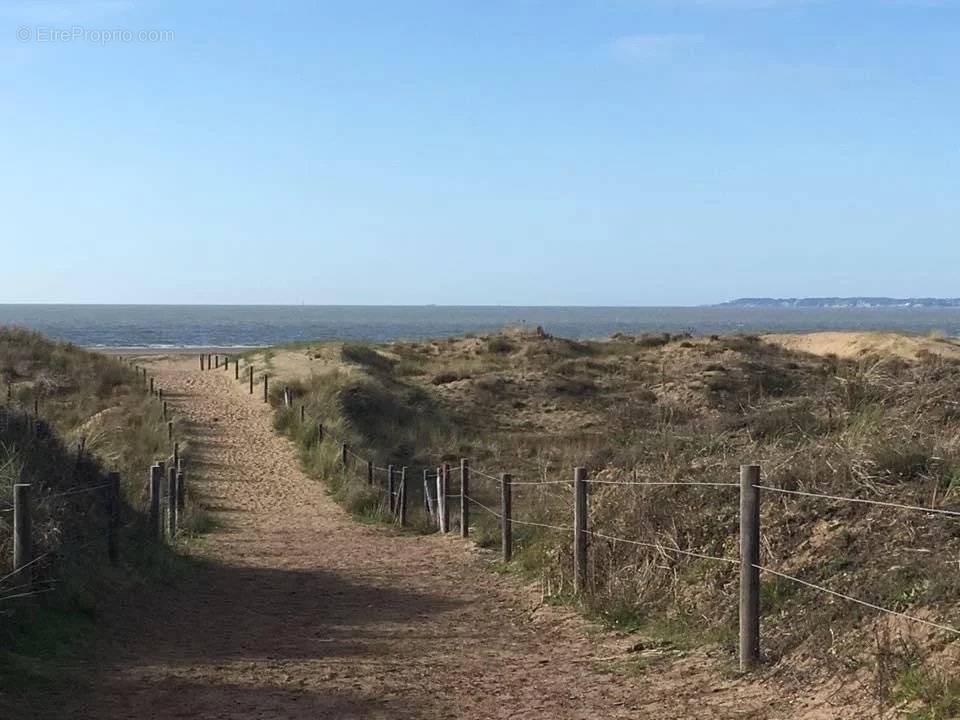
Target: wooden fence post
pixel 303 414
pixel 216 362
pixel 390 489
pixel 160 395
pixel 164 411
pixel 151 386
pixel 201 361
pixel 506 526
pixel 266 391
pixel 173 495
pixel 403 497
pixel 236 369
pixel 464 493
pixel 209 360
pixel 176 455
pixel 226 363
pixel 446 499
pixel 156 478
pixel 580 529
pixel 251 378
pixel 113 517
pixel 427 505
pixel 343 454
pixel 749 566
pixel 438 500
pixel 181 490
pixel 169 426
pixel 22 532
pixel 369 472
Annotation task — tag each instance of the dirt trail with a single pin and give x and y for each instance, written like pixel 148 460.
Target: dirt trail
pixel 296 611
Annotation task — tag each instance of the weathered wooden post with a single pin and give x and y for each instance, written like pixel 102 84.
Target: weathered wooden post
pixel 236 369
pixel 445 505
pixel 176 455
pixel 580 529
pixel 403 497
pixel 169 426
pixel 427 504
pixel 113 517
pixel 216 362
pixel 749 566
pixel 160 395
pixel 181 490
pixel 209 360
pixel 464 494
pixel 173 495
pixel 343 454
pixel 369 472
pixel 250 368
pixel 390 489
pixel 226 363
pixel 506 526
pixel 320 432
pixel 22 532
pixel 439 498
pixel 164 409
pixel 156 478
pixel 201 361
pixel 303 414
pixel 266 386
pixel 151 387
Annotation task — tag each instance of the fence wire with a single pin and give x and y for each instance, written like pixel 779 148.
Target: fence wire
pixel 862 501
pixel 858 601
pixel 664 548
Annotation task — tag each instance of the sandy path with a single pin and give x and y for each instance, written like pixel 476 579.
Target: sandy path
pixel 296 611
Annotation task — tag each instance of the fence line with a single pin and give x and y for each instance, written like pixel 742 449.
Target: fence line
pixel 880 608
pixel 24 558
pixel 750 522
pixel 862 501
pixel 76 491
pixel 664 548
pixel 664 483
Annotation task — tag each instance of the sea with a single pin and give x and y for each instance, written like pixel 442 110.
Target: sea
pixel 190 326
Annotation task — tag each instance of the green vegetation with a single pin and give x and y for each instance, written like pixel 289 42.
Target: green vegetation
pixel 674 408
pixel 94 417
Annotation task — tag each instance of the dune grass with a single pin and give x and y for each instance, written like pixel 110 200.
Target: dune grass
pixel 676 408
pixel 94 417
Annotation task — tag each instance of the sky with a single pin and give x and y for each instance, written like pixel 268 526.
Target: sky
pixel 504 152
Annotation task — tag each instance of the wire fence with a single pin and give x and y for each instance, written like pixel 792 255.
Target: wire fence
pixel 438 492
pixel 31 566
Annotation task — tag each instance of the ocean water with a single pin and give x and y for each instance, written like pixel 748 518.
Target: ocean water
pixel 248 325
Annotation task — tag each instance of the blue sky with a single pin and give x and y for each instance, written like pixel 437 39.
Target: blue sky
pixel 602 152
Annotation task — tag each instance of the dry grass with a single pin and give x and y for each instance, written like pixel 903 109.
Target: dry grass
pixel 87 401
pixel 684 408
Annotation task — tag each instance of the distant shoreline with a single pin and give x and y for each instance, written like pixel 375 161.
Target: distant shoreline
pixel 844 303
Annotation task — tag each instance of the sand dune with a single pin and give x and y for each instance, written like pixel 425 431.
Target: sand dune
pixel 858 344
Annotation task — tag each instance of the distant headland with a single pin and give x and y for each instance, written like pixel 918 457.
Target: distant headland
pixel 843 302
